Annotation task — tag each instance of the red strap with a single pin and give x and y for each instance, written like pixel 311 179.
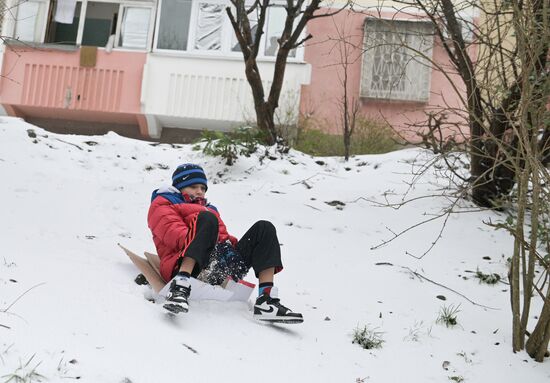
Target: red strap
pixel 190 235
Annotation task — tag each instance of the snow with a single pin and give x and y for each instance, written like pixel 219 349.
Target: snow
pixel 67 200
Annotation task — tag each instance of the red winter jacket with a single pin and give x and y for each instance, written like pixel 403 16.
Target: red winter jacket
pixel 169 218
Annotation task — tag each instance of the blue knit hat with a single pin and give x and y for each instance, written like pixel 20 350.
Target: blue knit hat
pixel 187 175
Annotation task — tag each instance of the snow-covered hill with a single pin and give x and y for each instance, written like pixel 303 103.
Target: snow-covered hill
pixel 70 308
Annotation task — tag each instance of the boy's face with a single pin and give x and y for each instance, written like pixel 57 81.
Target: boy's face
pixel 194 191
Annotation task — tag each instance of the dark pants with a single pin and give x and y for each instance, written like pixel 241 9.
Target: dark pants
pixel 258 248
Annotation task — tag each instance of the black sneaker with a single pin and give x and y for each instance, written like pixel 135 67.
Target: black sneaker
pixel 176 299
pixel 271 310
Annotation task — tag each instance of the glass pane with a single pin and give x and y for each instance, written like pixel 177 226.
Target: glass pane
pixel 174 24
pixel 25 26
pixel 275 25
pixel 63 33
pixel 135 28
pixel 100 23
pixel 392 66
pixel 390 60
pixel 253 19
pixel 209 27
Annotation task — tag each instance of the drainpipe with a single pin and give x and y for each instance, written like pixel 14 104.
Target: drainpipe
pixel 148 123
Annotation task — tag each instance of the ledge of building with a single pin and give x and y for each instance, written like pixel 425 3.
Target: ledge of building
pixel 89 128
pixel 86 128
pixel 40 46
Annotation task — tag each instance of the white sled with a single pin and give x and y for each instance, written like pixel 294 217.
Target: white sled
pixel 228 291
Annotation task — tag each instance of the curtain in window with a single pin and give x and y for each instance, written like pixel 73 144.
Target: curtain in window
pixel 65 10
pixel 135 28
pixel 25 26
pixel 209 27
pixel 174 24
pixel 393 64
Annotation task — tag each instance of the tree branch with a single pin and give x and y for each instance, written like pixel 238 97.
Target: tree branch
pixel 448 288
pixel 21 296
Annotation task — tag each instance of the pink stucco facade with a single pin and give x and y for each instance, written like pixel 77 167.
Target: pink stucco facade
pixel 52 84
pixel 320 100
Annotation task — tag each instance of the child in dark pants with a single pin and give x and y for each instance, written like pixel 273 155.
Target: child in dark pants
pixel 191 239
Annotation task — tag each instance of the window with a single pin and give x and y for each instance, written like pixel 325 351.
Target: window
pixel 173 29
pixel 135 27
pixel 29 19
pixel 275 25
pixel 467 27
pixel 63 33
pixel 393 64
pixel 203 27
pixel 253 20
pixel 98 23
pixel 208 34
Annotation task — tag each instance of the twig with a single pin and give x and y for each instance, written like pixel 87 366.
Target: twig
pixel 69 143
pixel 313 207
pixel 367 200
pixel 439 235
pixel 315 175
pixel 448 288
pixel 541 293
pixel 396 235
pixel 21 296
pixel 395 206
pixel 190 348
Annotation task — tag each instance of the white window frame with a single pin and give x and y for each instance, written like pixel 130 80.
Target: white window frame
pixel 10 23
pixel 122 4
pixel 226 41
pixel 366 91
pixel 263 46
pixel 150 31
pixel 156 34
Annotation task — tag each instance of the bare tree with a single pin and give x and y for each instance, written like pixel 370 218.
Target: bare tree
pixel 494 81
pixel 298 14
pixel 504 71
pixel 348 104
pixel 507 89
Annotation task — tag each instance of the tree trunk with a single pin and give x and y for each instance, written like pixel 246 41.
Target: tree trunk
pixel 544 147
pixel 264 114
pixel 483 188
pixel 537 344
pixel 515 268
pixel 266 123
pixel 251 44
pixel 347 144
pixel 345 107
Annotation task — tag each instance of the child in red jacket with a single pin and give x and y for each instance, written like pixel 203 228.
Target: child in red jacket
pixel 191 239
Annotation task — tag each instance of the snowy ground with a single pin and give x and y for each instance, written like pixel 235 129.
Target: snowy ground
pixel 66 201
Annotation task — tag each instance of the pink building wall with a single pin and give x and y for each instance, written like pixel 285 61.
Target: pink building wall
pixel 320 99
pixel 51 84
